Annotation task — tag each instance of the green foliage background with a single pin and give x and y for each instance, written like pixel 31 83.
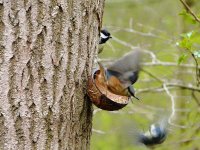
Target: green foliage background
pixel 159 26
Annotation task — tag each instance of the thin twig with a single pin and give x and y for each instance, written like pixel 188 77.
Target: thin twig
pixel 146 34
pixel 195 98
pixel 152 89
pixel 152 75
pixel 123 43
pixel 192 88
pixel 170 87
pixel 157 63
pixel 197 70
pixel 98 131
pixel 189 87
pixel 189 10
pixel 160 63
pixel 173 103
pixel 173 110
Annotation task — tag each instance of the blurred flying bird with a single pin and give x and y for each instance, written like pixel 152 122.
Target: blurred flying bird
pixel 104 37
pixel 156 134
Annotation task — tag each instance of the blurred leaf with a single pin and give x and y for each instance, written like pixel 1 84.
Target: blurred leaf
pixel 188 34
pixel 182 58
pixel 196 39
pixel 187 17
pixel 186 44
pixel 187 41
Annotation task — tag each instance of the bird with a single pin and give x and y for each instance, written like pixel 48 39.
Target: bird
pixel 104 37
pixel 156 134
pixel 122 74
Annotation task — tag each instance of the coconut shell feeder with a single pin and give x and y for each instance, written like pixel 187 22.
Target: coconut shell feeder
pixel 102 97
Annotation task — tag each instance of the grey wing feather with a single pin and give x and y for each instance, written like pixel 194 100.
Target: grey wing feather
pixel 129 62
pixel 128 67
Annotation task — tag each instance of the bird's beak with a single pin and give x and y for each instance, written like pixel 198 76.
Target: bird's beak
pixel 110 37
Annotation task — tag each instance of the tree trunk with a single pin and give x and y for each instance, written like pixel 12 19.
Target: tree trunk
pixel 47 51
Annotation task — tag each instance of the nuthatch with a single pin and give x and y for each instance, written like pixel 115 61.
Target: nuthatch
pixel 122 74
pixel 156 135
pixel 104 37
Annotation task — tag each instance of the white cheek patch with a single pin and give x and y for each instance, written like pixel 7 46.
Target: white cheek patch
pixel 103 36
pixel 153 130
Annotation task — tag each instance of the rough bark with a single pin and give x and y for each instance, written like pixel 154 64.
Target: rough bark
pixel 46 54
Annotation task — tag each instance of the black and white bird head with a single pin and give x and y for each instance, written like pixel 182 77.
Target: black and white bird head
pixel 104 36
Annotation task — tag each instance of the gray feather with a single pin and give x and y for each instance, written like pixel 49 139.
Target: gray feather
pixel 129 62
pixel 127 67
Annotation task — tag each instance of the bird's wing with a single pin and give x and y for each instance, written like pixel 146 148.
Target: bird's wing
pixel 127 67
pixel 129 62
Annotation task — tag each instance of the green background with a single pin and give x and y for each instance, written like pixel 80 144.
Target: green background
pixel 155 25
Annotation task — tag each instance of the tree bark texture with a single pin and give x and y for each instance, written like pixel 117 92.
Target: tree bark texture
pixel 46 54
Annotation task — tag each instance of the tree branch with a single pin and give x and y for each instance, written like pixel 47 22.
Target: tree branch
pixel 192 88
pixel 157 63
pixel 190 11
pixel 153 76
pixel 160 63
pixel 195 98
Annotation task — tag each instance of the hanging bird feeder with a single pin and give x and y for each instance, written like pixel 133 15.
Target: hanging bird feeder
pixel 102 97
